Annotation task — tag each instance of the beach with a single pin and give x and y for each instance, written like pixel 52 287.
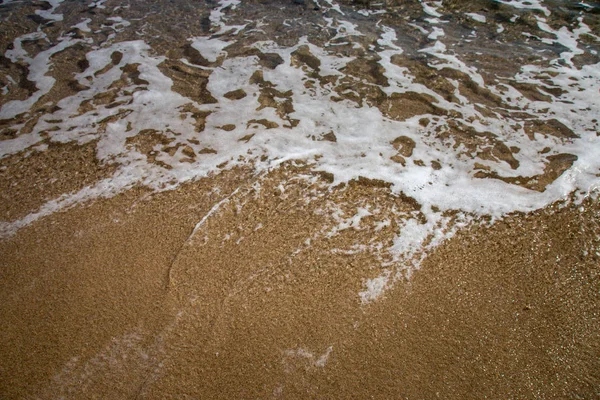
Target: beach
pixel 299 200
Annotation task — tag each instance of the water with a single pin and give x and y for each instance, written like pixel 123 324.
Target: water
pixel 486 108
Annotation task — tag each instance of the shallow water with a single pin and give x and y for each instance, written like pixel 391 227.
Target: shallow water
pixel 486 108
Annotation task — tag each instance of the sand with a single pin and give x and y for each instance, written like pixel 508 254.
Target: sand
pixel 254 278
pixel 115 299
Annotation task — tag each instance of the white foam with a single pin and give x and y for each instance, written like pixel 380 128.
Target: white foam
pixel 122 180
pixel 526 5
pixel 322 361
pixel 419 28
pixel 352 222
pixel 334 6
pixel 343 29
pixel 477 17
pixel 213 210
pixel 83 26
pixel 97 4
pixel 388 39
pixel 118 23
pixel 38 68
pixel 49 14
pixel 17 53
pixel 209 48
pixel 368 13
pixel 431 10
pixel 440 51
pixel 436 33
pixel 363 134
pixel 566 38
pixel 217 16
pixel 375 287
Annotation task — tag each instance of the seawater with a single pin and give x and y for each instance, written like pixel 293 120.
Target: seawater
pixel 486 108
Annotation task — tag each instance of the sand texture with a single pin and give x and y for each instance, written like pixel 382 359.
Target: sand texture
pixel 285 199
pixel 117 300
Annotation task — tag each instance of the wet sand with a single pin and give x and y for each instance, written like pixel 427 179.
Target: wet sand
pixel 256 278
pixel 116 299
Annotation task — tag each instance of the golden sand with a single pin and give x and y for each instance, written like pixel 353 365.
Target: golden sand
pixel 117 299
pixel 245 285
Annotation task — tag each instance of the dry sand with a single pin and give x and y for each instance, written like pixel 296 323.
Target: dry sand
pixel 116 299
